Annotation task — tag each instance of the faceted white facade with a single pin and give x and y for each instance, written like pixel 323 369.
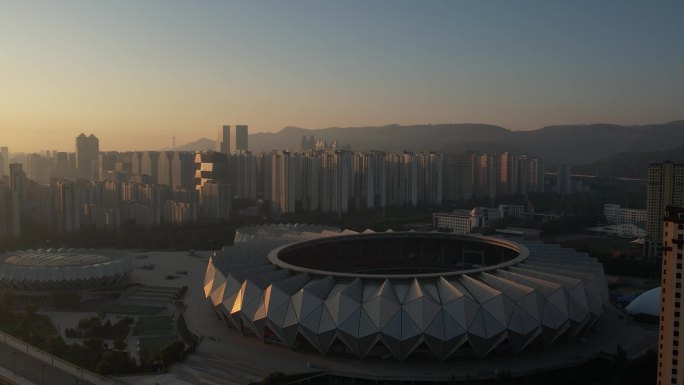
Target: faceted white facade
pixel 545 293
pixel 62 269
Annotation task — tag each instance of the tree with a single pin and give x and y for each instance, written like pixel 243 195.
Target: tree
pixel 120 344
pixel 9 298
pixel 275 378
pixel 96 344
pixel 66 299
pixel 172 352
pixel 31 309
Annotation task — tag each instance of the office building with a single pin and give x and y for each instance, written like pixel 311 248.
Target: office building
pixel 87 153
pixel 239 139
pixel 670 364
pixel 665 188
pixel 233 140
pixel 225 137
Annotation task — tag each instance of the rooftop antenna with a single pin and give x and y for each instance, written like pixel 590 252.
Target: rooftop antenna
pixel 173 142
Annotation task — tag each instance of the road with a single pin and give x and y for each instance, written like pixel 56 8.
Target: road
pixel 34 370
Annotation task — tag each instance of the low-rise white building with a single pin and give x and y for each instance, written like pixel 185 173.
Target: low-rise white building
pixel 459 221
pixel 617 215
pixel 623 230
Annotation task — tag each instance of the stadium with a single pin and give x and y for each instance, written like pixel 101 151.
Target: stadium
pixel 62 269
pixel 403 295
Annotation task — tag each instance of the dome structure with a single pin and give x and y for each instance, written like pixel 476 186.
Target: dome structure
pixel 397 293
pixel 62 269
pixel 647 303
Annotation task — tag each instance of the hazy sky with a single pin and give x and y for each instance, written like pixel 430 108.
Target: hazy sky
pixel 136 72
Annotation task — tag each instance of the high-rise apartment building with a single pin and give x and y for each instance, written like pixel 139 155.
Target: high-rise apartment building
pixel 563 180
pixel 183 170
pixel 215 200
pixel 149 165
pixel 665 188
pixel 165 168
pixel 507 171
pixel 368 180
pixel 670 363
pixel 10 213
pixel 107 163
pixel 210 166
pixel 283 185
pixel 4 153
pixel 87 153
pixel 180 212
pixel 429 177
pixel 68 204
pixel 458 178
pixel 38 168
pixel 535 175
pixel 308 186
pixel 335 181
pixel 62 166
pixel 242 174
pixel 18 180
pixel 484 175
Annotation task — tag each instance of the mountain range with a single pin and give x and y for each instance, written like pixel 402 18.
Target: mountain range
pixel 574 144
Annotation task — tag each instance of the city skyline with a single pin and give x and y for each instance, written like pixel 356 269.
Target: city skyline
pixel 182 70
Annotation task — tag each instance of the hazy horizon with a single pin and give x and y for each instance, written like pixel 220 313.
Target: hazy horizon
pixel 136 74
